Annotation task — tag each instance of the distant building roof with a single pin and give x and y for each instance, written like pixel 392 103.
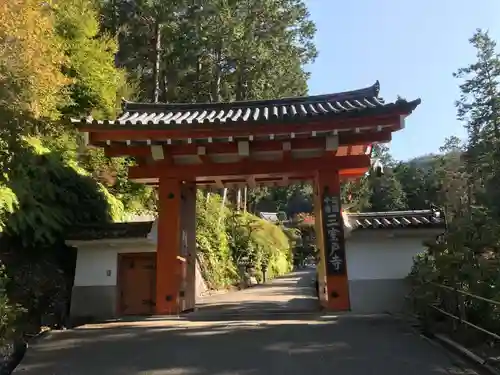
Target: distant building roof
pixel 269 216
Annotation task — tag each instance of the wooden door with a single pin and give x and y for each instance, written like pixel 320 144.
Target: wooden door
pixel 136 283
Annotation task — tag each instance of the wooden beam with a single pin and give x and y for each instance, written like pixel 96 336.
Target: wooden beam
pixel 123 133
pixel 345 175
pixel 287 151
pixel 248 167
pixel 243 148
pixel 251 181
pixel 219 184
pixel 157 152
pixel 201 152
pixel 332 143
pixel 255 146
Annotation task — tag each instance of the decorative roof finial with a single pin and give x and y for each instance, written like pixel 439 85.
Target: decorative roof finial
pixel 376 87
pixel 124 103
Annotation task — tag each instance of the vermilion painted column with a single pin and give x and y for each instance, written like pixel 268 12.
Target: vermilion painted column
pixel 168 266
pixel 189 227
pixel 331 242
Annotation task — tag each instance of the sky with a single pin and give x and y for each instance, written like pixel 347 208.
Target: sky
pixel 411 47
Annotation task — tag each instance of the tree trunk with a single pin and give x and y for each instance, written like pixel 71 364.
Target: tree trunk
pixel 215 94
pixel 238 199
pixel 156 71
pixel 114 27
pixel 199 68
pixel 245 197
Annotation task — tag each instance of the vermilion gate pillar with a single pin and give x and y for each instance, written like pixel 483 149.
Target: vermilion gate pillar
pixel 168 265
pixel 332 273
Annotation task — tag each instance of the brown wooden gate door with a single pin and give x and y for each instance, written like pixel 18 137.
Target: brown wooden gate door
pixel 136 283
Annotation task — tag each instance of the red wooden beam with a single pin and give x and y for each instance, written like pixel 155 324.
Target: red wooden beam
pixel 136 133
pixel 290 179
pixel 350 176
pixel 361 139
pixel 248 167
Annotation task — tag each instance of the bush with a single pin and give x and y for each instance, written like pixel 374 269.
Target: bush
pixel 212 240
pixel 53 192
pixel 9 313
pixel 457 265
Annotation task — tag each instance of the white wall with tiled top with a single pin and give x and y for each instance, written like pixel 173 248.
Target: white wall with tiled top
pixel 385 258
pixel 377 267
pixel 99 266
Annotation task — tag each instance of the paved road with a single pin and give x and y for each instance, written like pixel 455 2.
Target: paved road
pixel 207 342
pixel 293 293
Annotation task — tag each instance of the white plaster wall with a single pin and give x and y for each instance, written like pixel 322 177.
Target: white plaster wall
pixel 381 258
pixel 92 264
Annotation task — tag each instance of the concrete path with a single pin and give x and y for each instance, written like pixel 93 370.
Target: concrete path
pixel 206 343
pixel 293 293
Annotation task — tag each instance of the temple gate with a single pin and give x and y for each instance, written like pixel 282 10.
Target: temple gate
pixel 323 139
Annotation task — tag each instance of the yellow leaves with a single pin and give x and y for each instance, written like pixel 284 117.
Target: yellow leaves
pixel 31 56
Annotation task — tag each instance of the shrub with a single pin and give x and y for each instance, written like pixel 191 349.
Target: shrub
pixel 212 244
pixel 9 313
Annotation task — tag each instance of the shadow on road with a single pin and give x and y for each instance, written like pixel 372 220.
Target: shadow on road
pixel 270 329
pixel 256 310
pixel 290 294
pixel 300 346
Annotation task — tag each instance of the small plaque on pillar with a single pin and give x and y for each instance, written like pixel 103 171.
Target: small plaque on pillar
pixel 333 232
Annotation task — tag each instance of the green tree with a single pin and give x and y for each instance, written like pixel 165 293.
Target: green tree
pixel 356 194
pixel 479 109
pixel 97 85
pixel 30 58
pixel 470 176
pixel 376 193
pixel 386 192
pixel 216 49
pixel 96 89
pixel 414 177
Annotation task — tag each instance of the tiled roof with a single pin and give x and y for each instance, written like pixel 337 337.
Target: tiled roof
pixel 397 219
pixel 393 220
pixel 109 231
pixel 347 104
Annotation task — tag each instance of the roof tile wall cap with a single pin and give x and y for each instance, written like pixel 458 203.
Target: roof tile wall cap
pixel 395 213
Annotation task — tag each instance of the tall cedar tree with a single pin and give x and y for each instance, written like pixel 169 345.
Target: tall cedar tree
pixel 214 50
pixel 479 109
